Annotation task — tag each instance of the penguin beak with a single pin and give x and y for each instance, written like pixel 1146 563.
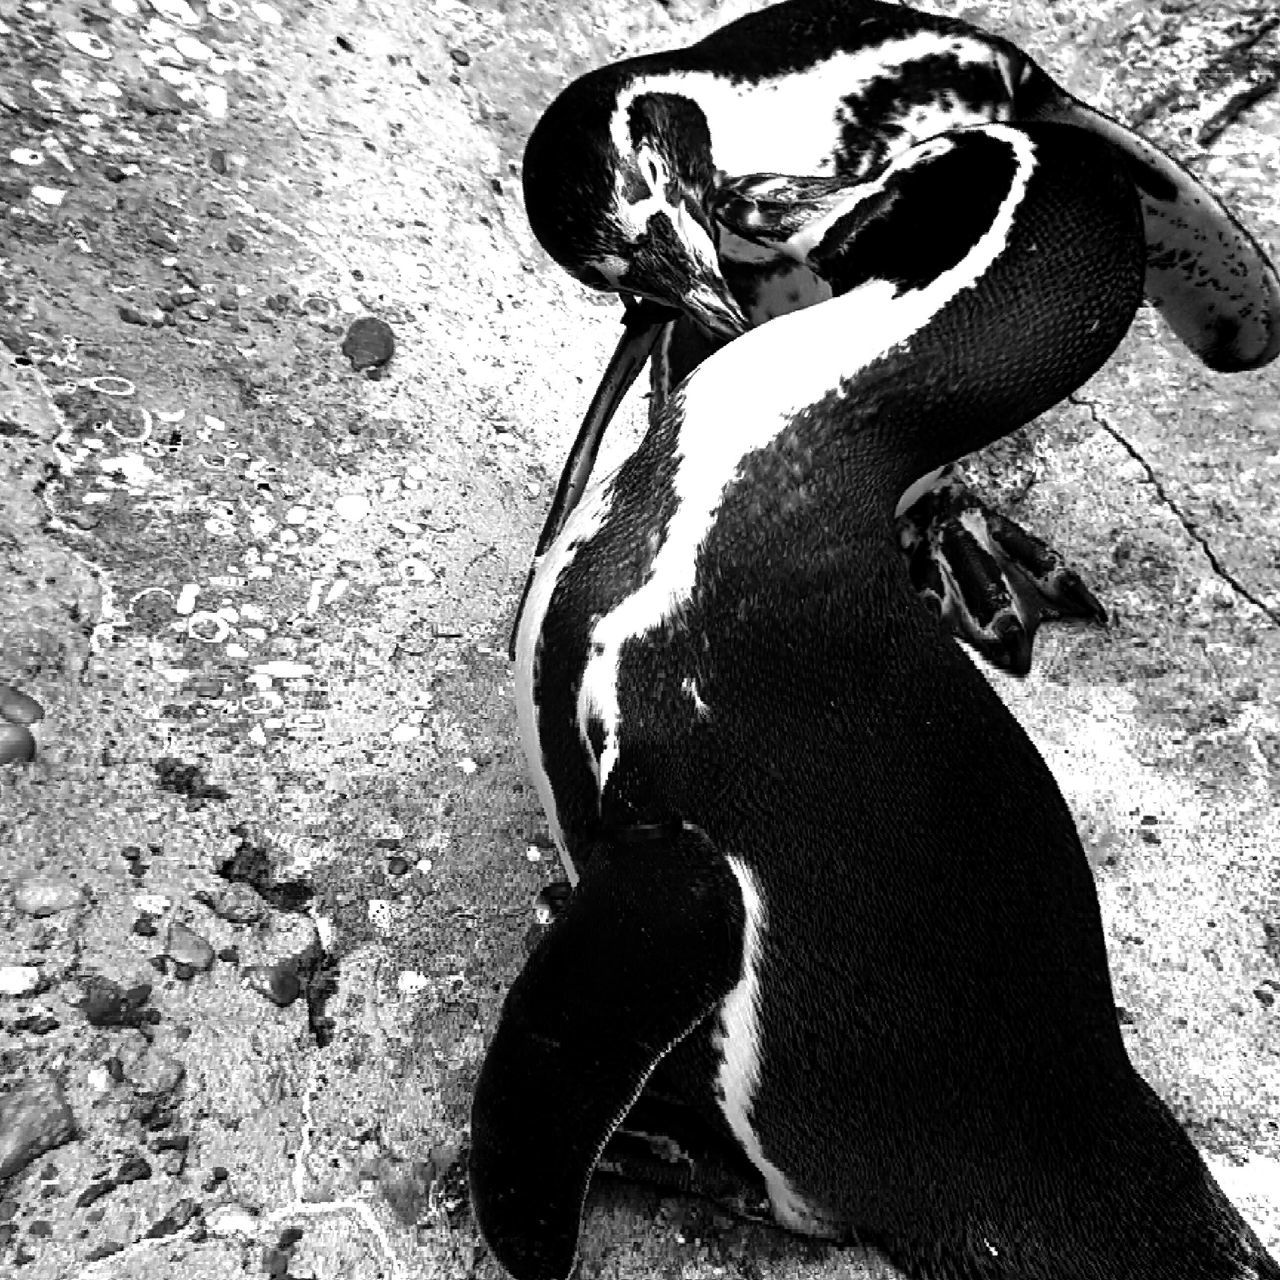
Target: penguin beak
pixel 673 269
pixel 710 303
pixel 642 322
pixel 675 264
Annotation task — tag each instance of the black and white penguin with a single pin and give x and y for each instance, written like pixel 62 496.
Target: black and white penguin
pixel 624 178
pixel 807 914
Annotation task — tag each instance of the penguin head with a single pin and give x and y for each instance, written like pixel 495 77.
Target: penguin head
pixel 618 186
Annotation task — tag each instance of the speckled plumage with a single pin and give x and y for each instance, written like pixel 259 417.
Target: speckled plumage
pixel 806 910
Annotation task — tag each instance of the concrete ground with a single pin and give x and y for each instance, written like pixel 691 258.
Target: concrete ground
pixel 270 873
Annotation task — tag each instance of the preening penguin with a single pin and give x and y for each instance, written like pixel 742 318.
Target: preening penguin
pixel 624 178
pixel 806 911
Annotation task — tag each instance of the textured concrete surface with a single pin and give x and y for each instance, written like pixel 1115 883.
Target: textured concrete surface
pixel 263 601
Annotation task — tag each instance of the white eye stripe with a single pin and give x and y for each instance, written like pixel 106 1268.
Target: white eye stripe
pixel 789 124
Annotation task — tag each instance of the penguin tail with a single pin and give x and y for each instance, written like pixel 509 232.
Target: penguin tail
pixel 1121 1194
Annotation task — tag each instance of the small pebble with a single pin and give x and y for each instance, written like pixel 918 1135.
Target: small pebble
pixel 104 1250
pixel 108 1004
pixel 155 1074
pixel 174 1220
pixel 87 42
pixel 152 318
pixel 233 1220
pixel 352 506
pixel 34 1118
pixel 186 947
pixel 19 708
pixel 237 904
pixel 236 242
pixel 461 58
pixel 178 11
pixel 278 982
pixel 193 50
pixel 145 927
pixel 38 1024
pixel 370 343
pixel 17 746
pixel 42 897
pixel 94 1192
pixel 397 866
pixel 135 1169
pixel 229 955
pixel 18 979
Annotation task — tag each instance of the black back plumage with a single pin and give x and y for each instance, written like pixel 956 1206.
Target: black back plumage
pixel 937 1065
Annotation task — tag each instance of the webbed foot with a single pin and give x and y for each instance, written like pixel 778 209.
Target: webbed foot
pixel 666 1145
pixel 989 579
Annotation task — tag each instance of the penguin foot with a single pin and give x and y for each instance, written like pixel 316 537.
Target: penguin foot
pixel 662 1144
pixel 989 579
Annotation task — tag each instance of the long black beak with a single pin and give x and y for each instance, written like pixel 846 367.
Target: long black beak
pixel 642 322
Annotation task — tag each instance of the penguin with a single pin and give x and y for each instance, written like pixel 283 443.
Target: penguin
pixel 622 182
pixel 806 915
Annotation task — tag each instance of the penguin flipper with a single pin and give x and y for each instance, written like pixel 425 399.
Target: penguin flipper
pixel 1207 275
pixel 647 947
pixel 989 580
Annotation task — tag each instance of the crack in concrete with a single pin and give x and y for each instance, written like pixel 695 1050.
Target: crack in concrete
pixel 1188 524
pixel 302 1207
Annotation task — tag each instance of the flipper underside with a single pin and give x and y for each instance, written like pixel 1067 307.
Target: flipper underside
pixel 1206 274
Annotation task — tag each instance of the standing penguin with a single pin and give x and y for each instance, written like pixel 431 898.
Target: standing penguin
pixel 624 177
pixel 806 912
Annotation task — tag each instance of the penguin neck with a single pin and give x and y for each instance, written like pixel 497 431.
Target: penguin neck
pixel 832 412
